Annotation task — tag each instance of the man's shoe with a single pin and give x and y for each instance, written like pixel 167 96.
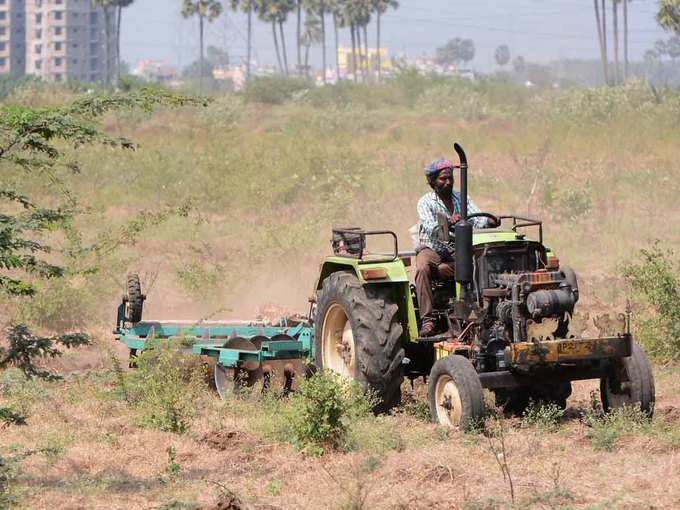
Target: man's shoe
pixel 427 329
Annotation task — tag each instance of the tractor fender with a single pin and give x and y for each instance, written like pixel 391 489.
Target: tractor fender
pixel 391 273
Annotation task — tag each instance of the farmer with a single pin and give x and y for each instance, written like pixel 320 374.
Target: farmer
pixel 433 257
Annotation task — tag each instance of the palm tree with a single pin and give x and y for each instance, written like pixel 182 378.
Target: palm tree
pixel 247 7
pixel 298 34
pixel 276 12
pixel 380 7
pixel 615 23
pixel 120 5
pixel 318 9
pixel 625 40
pixel 668 16
pixel 601 40
pixel 205 10
pixel 312 34
pixel 336 11
pixel 106 6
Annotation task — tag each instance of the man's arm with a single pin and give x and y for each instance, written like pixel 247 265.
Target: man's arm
pixel 428 218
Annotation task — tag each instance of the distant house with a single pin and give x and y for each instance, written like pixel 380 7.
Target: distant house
pixel 346 62
pixel 237 75
pixel 156 71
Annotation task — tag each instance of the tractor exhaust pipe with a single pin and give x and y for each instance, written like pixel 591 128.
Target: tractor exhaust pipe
pixel 463 229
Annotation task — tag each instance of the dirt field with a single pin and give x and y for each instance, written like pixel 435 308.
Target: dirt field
pixel 100 458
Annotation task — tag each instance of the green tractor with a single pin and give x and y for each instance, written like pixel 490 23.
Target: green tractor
pixel 508 322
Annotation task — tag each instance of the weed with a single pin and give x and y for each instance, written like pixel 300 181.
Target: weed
pixel 543 416
pixel 121 385
pixel 606 429
pixel 498 447
pixel 273 89
pixel 172 471
pixel 415 407
pixel 169 384
pixel 274 487
pixel 320 412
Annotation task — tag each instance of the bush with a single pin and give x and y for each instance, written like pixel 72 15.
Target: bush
pixel 166 387
pixel 606 429
pixel 655 280
pixel 543 416
pixel 273 89
pixel 321 412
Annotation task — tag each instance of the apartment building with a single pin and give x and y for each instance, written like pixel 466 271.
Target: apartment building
pixel 12 37
pixel 60 39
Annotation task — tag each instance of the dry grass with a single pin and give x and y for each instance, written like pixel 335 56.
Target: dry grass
pixel 101 458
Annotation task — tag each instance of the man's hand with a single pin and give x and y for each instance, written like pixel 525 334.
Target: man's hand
pixel 455 218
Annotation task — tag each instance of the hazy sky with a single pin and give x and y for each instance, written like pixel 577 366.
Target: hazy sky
pixel 540 30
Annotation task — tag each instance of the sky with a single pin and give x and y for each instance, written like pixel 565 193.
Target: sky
pixel 539 30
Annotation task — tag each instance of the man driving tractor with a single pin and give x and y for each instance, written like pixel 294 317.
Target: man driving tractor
pixel 434 258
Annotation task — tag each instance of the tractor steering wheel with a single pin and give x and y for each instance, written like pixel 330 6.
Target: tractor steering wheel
pixel 495 219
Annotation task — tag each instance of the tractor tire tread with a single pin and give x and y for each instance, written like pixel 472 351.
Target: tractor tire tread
pixel 377 334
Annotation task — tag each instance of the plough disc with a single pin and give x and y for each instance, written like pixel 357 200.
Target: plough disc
pixel 277 375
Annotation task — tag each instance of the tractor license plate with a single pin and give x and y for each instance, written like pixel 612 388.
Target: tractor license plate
pixel 566 350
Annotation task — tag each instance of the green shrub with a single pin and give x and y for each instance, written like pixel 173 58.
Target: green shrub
pixel 59 306
pixel 606 429
pixel 655 280
pixel 167 386
pixel 543 416
pixel 273 89
pixel 323 408
pixel 172 471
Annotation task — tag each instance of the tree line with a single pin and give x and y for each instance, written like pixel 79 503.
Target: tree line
pixel 312 19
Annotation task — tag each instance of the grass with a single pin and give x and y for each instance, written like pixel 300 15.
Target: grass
pixel 396 457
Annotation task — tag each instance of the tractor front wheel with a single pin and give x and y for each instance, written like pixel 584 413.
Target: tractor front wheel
pixel 455 393
pixel 629 382
pixel 358 336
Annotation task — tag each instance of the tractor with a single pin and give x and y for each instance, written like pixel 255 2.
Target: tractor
pixel 508 323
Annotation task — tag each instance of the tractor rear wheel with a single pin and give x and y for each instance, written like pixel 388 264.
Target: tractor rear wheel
pixel 455 393
pixel 358 336
pixel 134 299
pixel 629 382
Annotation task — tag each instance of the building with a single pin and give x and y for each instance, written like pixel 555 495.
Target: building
pixel 156 71
pixel 346 59
pixel 61 39
pixel 12 38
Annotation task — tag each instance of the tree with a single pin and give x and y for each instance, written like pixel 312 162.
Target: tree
pixel 625 40
pixel 336 12
pixel 668 16
pixel 502 55
pixel 519 65
pixel 247 7
pixel 601 37
pixel 317 10
pixel 107 7
pixel 615 23
pixel 119 5
pixel 214 57
pixel 205 10
pixel 455 51
pixel 380 7
pixel 310 35
pixel 276 12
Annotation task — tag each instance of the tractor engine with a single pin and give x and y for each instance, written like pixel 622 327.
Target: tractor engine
pixel 520 299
